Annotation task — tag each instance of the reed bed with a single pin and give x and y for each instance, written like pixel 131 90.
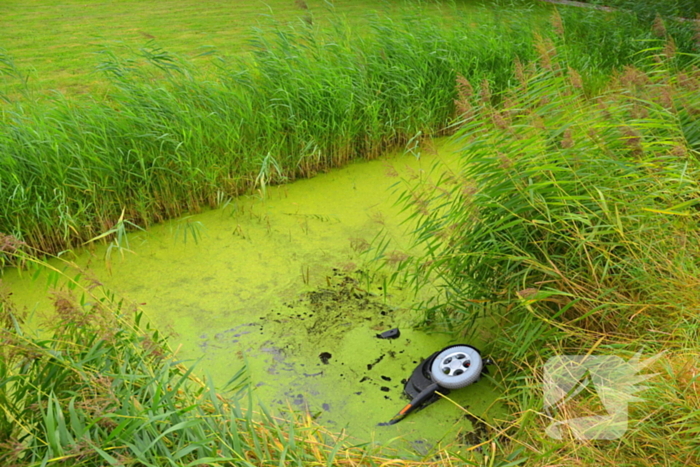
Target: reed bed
pixel 170 140
pixel 573 224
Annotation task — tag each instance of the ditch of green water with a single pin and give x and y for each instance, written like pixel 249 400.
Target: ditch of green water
pixel 281 282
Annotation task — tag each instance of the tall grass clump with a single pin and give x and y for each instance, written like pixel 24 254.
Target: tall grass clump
pixel 597 43
pixel 574 226
pixel 169 140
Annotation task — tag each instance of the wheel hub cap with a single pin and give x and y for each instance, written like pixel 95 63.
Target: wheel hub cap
pixel 455 364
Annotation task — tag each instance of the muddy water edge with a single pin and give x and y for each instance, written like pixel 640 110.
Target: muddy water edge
pixel 280 282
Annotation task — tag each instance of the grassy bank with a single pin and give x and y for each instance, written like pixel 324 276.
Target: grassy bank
pixel 305 102
pixel 169 140
pixel 574 222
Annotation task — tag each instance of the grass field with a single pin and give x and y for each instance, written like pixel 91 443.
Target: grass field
pixel 171 136
pixel 573 221
pixel 55 41
pixel 304 100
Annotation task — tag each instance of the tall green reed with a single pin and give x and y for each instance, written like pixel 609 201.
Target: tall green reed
pixel 169 140
pixel 583 198
pixel 573 226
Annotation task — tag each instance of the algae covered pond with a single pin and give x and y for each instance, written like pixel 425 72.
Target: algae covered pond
pixel 279 282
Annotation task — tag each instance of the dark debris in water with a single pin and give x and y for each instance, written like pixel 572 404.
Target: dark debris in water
pixel 334 309
pixel 312 322
pixel 325 357
pixel 379 359
pixel 390 334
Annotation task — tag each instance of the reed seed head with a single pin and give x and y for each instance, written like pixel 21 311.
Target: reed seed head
pixel 498 120
pixel 557 23
pixel 520 72
pixel 428 146
pixel 9 244
pixel 464 88
pixel 658 27
pixel 633 77
pixel 463 106
pixel 538 122
pixel 567 140
pixel 575 79
pixel 421 203
pixel 666 97
pixel 485 92
pixel 679 150
pixel 468 190
pixel 546 51
pixel 639 111
pixel 395 257
pixel 505 162
pixel 632 139
pixel 688 82
pixel 670 48
pixel 390 171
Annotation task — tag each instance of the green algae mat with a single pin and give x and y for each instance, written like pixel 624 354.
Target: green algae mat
pixel 280 283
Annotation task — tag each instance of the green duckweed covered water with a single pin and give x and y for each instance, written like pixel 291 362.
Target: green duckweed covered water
pixel 277 282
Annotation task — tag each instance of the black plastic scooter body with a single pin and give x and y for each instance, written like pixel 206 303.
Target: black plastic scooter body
pixel 421 378
pixel 421 388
